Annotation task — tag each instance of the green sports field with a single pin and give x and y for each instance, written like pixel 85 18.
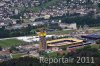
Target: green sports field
pixel 10 42
pixel 62 32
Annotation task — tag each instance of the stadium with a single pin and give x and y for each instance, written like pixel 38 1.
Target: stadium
pixel 64 42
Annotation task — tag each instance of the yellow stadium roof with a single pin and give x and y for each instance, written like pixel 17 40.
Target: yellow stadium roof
pixel 64 41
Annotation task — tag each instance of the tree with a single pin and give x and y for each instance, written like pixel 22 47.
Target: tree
pixel 98 41
pixel 99 5
pixel 0 48
pixel 13 48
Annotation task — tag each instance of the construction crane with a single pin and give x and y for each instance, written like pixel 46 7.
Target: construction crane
pixel 42 36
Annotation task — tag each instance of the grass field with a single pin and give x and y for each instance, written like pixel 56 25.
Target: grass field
pixel 62 32
pixel 17 55
pixel 96 27
pixel 95 46
pixel 10 42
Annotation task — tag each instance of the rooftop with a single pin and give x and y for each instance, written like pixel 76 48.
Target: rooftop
pixel 64 41
pixel 93 36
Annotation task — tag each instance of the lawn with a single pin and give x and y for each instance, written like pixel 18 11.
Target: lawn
pixel 62 32
pixel 10 42
pixel 95 46
pixel 96 27
pixel 17 55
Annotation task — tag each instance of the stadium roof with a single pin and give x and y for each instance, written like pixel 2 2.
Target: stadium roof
pixel 63 41
pixel 93 36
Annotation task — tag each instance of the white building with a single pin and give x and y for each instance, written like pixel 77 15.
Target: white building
pixel 68 26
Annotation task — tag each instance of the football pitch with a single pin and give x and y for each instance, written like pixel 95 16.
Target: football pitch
pixel 10 42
